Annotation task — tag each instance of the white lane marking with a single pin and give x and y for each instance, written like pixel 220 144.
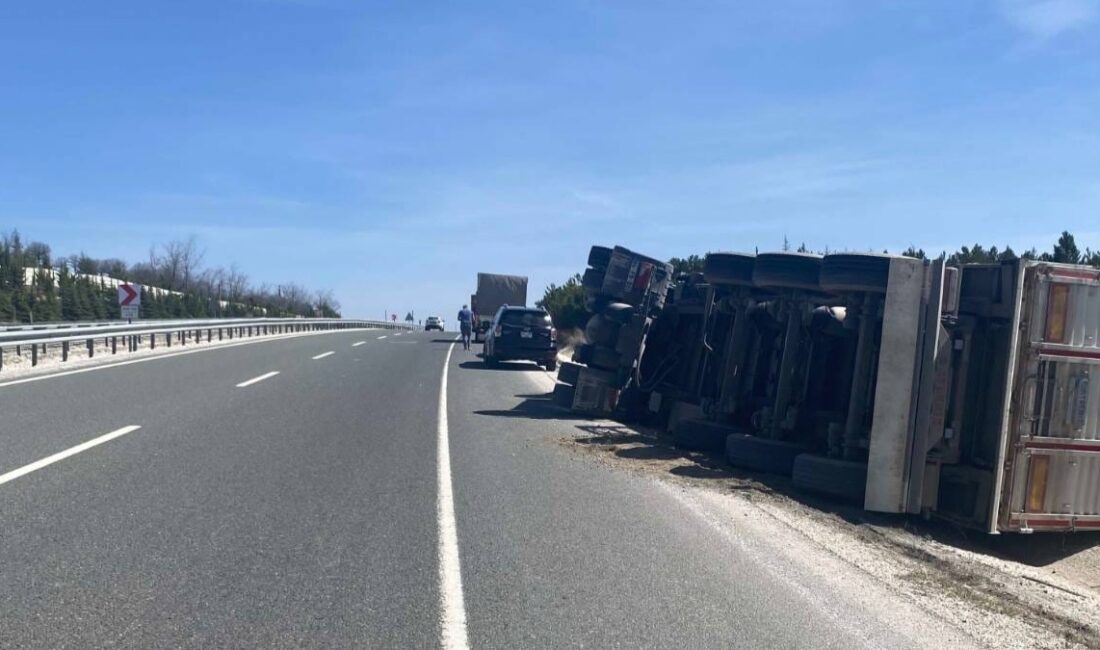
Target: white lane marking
pixel 357 344
pixel 452 602
pixel 169 355
pixel 62 455
pixel 398 334
pixel 256 380
pixel 381 337
pixel 324 354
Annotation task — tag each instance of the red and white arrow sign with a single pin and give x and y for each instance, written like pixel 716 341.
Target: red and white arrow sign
pixel 128 295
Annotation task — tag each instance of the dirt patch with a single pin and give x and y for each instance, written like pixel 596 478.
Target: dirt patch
pixel 958 576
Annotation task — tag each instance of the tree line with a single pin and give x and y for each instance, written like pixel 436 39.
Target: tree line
pixel 565 302
pixel 1065 250
pixel 60 288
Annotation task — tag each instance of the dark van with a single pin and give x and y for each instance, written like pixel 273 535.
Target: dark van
pixel 521 333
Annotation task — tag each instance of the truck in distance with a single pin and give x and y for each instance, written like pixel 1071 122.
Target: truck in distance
pixel 495 290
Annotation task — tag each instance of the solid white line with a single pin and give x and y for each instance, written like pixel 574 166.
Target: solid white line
pixel 256 380
pixel 62 455
pixel 452 603
pixel 324 354
pixel 357 344
pixel 169 355
pixel 381 337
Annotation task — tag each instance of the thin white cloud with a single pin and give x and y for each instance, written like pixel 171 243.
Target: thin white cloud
pixel 1046 19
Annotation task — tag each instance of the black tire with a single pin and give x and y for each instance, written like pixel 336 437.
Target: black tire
pixel 787 271
pixel 843 479
pixel 551 365
pixel 595 302
pixel 618 312
pixel 563 395
pixel 629 342
pixel 568 372
pixel 605 358
pixel 601 331
pixel 762 454
pixel 592 279
pixel 701 435
pixel 730 269
pixel 850 272
pixel 599 257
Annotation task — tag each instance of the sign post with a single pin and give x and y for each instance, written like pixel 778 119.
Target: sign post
pixel 129 301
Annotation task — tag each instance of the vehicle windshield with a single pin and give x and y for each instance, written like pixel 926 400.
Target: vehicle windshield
pixel 527 318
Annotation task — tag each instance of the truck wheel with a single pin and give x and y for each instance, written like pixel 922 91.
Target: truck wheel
pixel 592 279
pixel 787 271
pixel 563 395
pixel 551 365
pixel 701 435
pixel 604 358
pixel 762 454
pixel 848 272
pixel 601 331
pixel 568 372
pixel 844 479
pixel 618 312
pixel 730 269
pixel 595 303
pixel 599 257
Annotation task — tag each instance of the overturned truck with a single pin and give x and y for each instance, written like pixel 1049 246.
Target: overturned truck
pixel 902 384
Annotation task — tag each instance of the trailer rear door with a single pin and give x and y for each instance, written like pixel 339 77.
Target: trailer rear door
pixel 1049 457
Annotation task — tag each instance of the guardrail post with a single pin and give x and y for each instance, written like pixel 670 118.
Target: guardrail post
pixel 219 333
pixel 64 350
pixel 34 354
pixel 114 345
pixel 91 348
pixel 153 341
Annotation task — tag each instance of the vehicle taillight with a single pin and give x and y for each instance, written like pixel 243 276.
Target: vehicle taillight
pixel 496 331
pixel 1057 312
pixel 1037 483
pixel 553 334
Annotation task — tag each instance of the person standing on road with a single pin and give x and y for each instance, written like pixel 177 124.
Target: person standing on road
pixel 466 325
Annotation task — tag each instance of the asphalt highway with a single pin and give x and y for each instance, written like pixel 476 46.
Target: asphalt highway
pixel 288 493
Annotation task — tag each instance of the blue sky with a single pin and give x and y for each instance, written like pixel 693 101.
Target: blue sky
pixel 390 151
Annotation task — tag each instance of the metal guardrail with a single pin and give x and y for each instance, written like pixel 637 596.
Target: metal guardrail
pixel 133 336
pixel 54 325
pixel 81 325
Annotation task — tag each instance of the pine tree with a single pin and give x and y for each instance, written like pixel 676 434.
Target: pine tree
pixel 1066 250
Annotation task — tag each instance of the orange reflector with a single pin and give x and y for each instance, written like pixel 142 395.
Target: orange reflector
pixel 1039 467
pixel 1057 310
